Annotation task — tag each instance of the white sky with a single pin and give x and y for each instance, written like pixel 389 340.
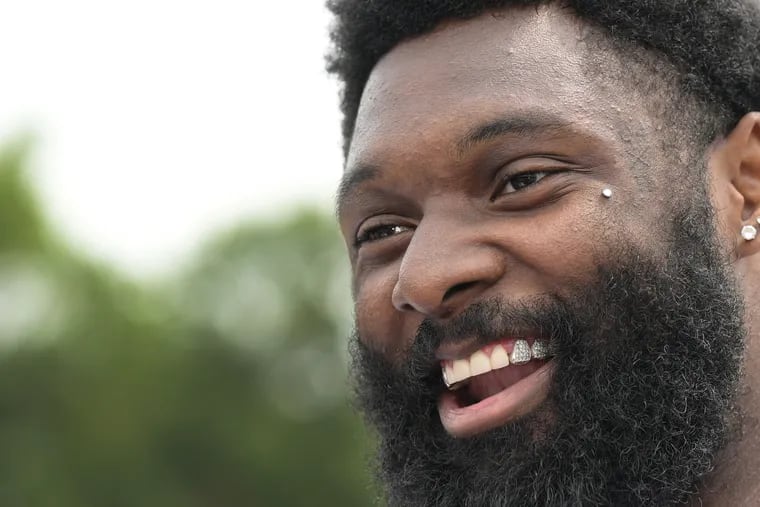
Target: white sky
pixel 159 121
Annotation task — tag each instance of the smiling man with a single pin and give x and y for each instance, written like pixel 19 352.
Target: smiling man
pixel 551 211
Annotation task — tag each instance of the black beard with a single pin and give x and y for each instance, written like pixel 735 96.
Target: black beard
pixel 647 366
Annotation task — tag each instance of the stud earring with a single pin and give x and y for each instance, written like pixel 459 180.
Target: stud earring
pixel 749 232
pixel 607 193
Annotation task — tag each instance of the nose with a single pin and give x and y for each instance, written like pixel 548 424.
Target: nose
pixel 444 269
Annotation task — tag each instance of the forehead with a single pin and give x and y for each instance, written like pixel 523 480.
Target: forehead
pixel 442 83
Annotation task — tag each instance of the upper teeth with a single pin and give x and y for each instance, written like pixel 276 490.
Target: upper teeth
pixel 456 372
pixel 521 354
pixel 539 350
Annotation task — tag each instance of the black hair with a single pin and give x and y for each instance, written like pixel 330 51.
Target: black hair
pixel 714 45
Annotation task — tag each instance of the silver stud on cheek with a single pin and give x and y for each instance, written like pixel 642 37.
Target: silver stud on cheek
pixel 749 232
pixel 607 193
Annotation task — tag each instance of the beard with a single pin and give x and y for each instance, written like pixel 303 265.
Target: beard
pixel 647 364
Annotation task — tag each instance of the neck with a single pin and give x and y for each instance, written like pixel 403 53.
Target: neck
pixel 736 478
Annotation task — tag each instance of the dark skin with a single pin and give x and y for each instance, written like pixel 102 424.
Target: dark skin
pixel 477 167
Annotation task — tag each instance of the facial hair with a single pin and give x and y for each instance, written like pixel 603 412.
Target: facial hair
pixel 647 364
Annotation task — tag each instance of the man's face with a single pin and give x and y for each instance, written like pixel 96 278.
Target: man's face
pixel 474 213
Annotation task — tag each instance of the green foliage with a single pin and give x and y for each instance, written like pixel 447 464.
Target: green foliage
pixel 21 222
pixel 225 387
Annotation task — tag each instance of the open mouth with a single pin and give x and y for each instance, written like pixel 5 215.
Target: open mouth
pixel 498 383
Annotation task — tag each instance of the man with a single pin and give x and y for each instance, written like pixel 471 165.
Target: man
pixel 551 211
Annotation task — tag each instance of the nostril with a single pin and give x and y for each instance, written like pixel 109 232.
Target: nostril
pixel 460 287
pixel 406 307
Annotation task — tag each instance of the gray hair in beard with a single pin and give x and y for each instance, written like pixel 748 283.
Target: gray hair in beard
pixel 647 366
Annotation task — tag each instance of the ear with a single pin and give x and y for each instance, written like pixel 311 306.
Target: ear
pixel 735 184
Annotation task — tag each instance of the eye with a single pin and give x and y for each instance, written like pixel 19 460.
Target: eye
pixel 378 232
pixel 517 182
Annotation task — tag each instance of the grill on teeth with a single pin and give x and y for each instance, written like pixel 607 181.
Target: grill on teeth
pixel 456 373
pixel 521 353
pixel 539 350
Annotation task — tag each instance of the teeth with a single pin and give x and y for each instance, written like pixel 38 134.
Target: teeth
pixel 448 374
pixel 539 350
pixel 499 357
pixel 461 370
pixel 479 363
pixel 455 373
pixel 521 353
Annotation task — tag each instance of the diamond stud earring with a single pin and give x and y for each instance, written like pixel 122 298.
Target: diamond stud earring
pixel 749 232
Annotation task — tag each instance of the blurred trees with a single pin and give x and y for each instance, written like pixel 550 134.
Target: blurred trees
pixel 223 387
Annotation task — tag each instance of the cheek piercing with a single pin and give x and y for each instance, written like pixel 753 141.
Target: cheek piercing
pixel 749 232
pixel 607 193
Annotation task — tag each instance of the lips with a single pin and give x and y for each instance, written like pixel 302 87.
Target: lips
pixel 494 385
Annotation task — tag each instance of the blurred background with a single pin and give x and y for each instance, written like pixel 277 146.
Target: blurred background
pixel 174 294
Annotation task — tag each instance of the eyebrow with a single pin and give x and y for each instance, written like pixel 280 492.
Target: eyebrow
pixel 352 179
pixel 524 124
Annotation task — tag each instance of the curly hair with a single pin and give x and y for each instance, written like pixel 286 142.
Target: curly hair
pixel 714 45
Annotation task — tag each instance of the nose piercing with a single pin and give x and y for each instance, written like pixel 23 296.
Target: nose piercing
pixel 607 193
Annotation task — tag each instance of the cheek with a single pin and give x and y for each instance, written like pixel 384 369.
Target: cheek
pixel 559 267
pixel 561 248
pixel 377 321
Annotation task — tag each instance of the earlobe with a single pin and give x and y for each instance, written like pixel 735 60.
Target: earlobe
pixel 735 171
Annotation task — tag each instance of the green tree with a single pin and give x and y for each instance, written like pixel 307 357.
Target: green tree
pixel 224 386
